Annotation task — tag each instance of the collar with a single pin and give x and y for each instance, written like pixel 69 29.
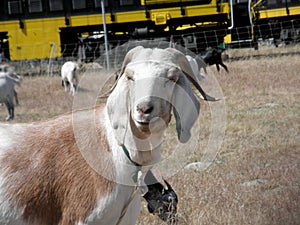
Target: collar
pixel 128 156
pixel 138 166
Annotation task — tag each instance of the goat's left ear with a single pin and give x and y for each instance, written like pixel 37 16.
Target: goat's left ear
pixel 186 108
pixel 118 110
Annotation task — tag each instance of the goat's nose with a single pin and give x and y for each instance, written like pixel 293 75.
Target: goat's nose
pixel 144 108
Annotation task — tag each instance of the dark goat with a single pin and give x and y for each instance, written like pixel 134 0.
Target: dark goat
pixel 214 56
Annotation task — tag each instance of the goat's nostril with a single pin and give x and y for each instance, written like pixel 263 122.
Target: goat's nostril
pixel 144 108
pixel 149 110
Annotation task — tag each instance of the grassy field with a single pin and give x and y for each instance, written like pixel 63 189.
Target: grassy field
pixel 255 178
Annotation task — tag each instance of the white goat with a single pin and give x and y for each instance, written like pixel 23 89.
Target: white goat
pixel 8 92
pixel 69 76
pixel 45 177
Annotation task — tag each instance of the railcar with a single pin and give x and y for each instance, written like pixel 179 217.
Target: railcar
pixel 38 29
pixel 263 19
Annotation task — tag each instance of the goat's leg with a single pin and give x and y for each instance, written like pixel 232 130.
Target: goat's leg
pixel 65 84
pixel 10 110
pixel 72 88
pixel 218 67
pixel 224 66
pixel 76 83
pixel 16 97
pixel 7 109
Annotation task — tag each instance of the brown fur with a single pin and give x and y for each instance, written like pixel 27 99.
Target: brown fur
pixel 48 177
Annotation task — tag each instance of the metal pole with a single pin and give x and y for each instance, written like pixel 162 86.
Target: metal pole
pixel 105 35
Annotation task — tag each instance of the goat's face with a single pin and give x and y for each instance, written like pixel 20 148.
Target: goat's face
pixel 151 83
pixel 151 86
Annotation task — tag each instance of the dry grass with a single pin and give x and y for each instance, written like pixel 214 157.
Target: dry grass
pixel 255 178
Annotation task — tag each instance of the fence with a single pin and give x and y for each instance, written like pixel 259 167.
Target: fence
pixel 280 35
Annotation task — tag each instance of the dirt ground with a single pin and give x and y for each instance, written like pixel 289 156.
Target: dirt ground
pixel 255 177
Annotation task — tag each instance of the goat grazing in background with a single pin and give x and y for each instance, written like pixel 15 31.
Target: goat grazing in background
pixel 213 56
pixel 8 80
pixel 69 76
pixel 90 166
pixel 10 71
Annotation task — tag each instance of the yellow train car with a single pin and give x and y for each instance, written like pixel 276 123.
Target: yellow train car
pixel 36 29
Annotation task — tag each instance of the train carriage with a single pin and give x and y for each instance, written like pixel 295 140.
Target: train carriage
pixel 38 29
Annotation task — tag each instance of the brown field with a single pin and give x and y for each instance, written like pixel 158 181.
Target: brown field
pixel 255 178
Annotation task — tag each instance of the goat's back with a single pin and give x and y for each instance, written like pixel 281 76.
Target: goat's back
pixel 44 175
pixel 68 69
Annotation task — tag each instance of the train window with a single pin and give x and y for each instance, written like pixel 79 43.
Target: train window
pixel 79 4
pixel 15 7
pixel 272 2
pixel 126 2
pixel 98 3
pixel 35 6
pixel 55 5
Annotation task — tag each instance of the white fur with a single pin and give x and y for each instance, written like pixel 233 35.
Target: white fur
pixel 69 73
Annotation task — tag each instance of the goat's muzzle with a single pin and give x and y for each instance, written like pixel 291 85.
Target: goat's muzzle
pixel 151 115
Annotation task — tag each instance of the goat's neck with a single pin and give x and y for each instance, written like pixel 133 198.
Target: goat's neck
pixel 144 152
pixel 144 149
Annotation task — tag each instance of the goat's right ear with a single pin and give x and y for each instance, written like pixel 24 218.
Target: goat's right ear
pixel 118 110
pixel 186 108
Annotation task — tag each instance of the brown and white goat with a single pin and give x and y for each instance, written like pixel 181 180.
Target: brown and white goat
pixel 88 166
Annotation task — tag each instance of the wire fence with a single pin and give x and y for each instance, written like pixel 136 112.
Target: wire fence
pixel 277 38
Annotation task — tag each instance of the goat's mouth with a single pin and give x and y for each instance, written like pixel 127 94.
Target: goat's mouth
pixel 150 125
pixel 143 126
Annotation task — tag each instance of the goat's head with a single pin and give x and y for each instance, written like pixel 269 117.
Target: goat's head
pixel 151 83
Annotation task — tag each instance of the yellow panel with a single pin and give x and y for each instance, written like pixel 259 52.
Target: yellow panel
pixel 294 11
pixel 36 40
pixel 40 37
pixel 264 14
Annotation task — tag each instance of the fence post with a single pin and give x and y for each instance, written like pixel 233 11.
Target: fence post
pixel 105 35
pixel 52 55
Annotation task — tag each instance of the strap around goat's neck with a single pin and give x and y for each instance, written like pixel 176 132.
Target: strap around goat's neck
pixel 138 166
pixel 128 156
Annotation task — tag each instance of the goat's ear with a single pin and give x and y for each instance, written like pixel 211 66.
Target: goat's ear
pixel 182 62
pixel 186 108
pixel 118 110
pixel 129 57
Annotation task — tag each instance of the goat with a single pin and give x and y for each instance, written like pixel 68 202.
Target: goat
pixel 12 73
pixel 69 73
pixel 89 166
pixel 214 56
pixel 8 93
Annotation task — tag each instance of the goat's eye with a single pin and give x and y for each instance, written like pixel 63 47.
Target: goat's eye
pixel 173 74
pixel 129 74
pixel 173 79
pixel 129 77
